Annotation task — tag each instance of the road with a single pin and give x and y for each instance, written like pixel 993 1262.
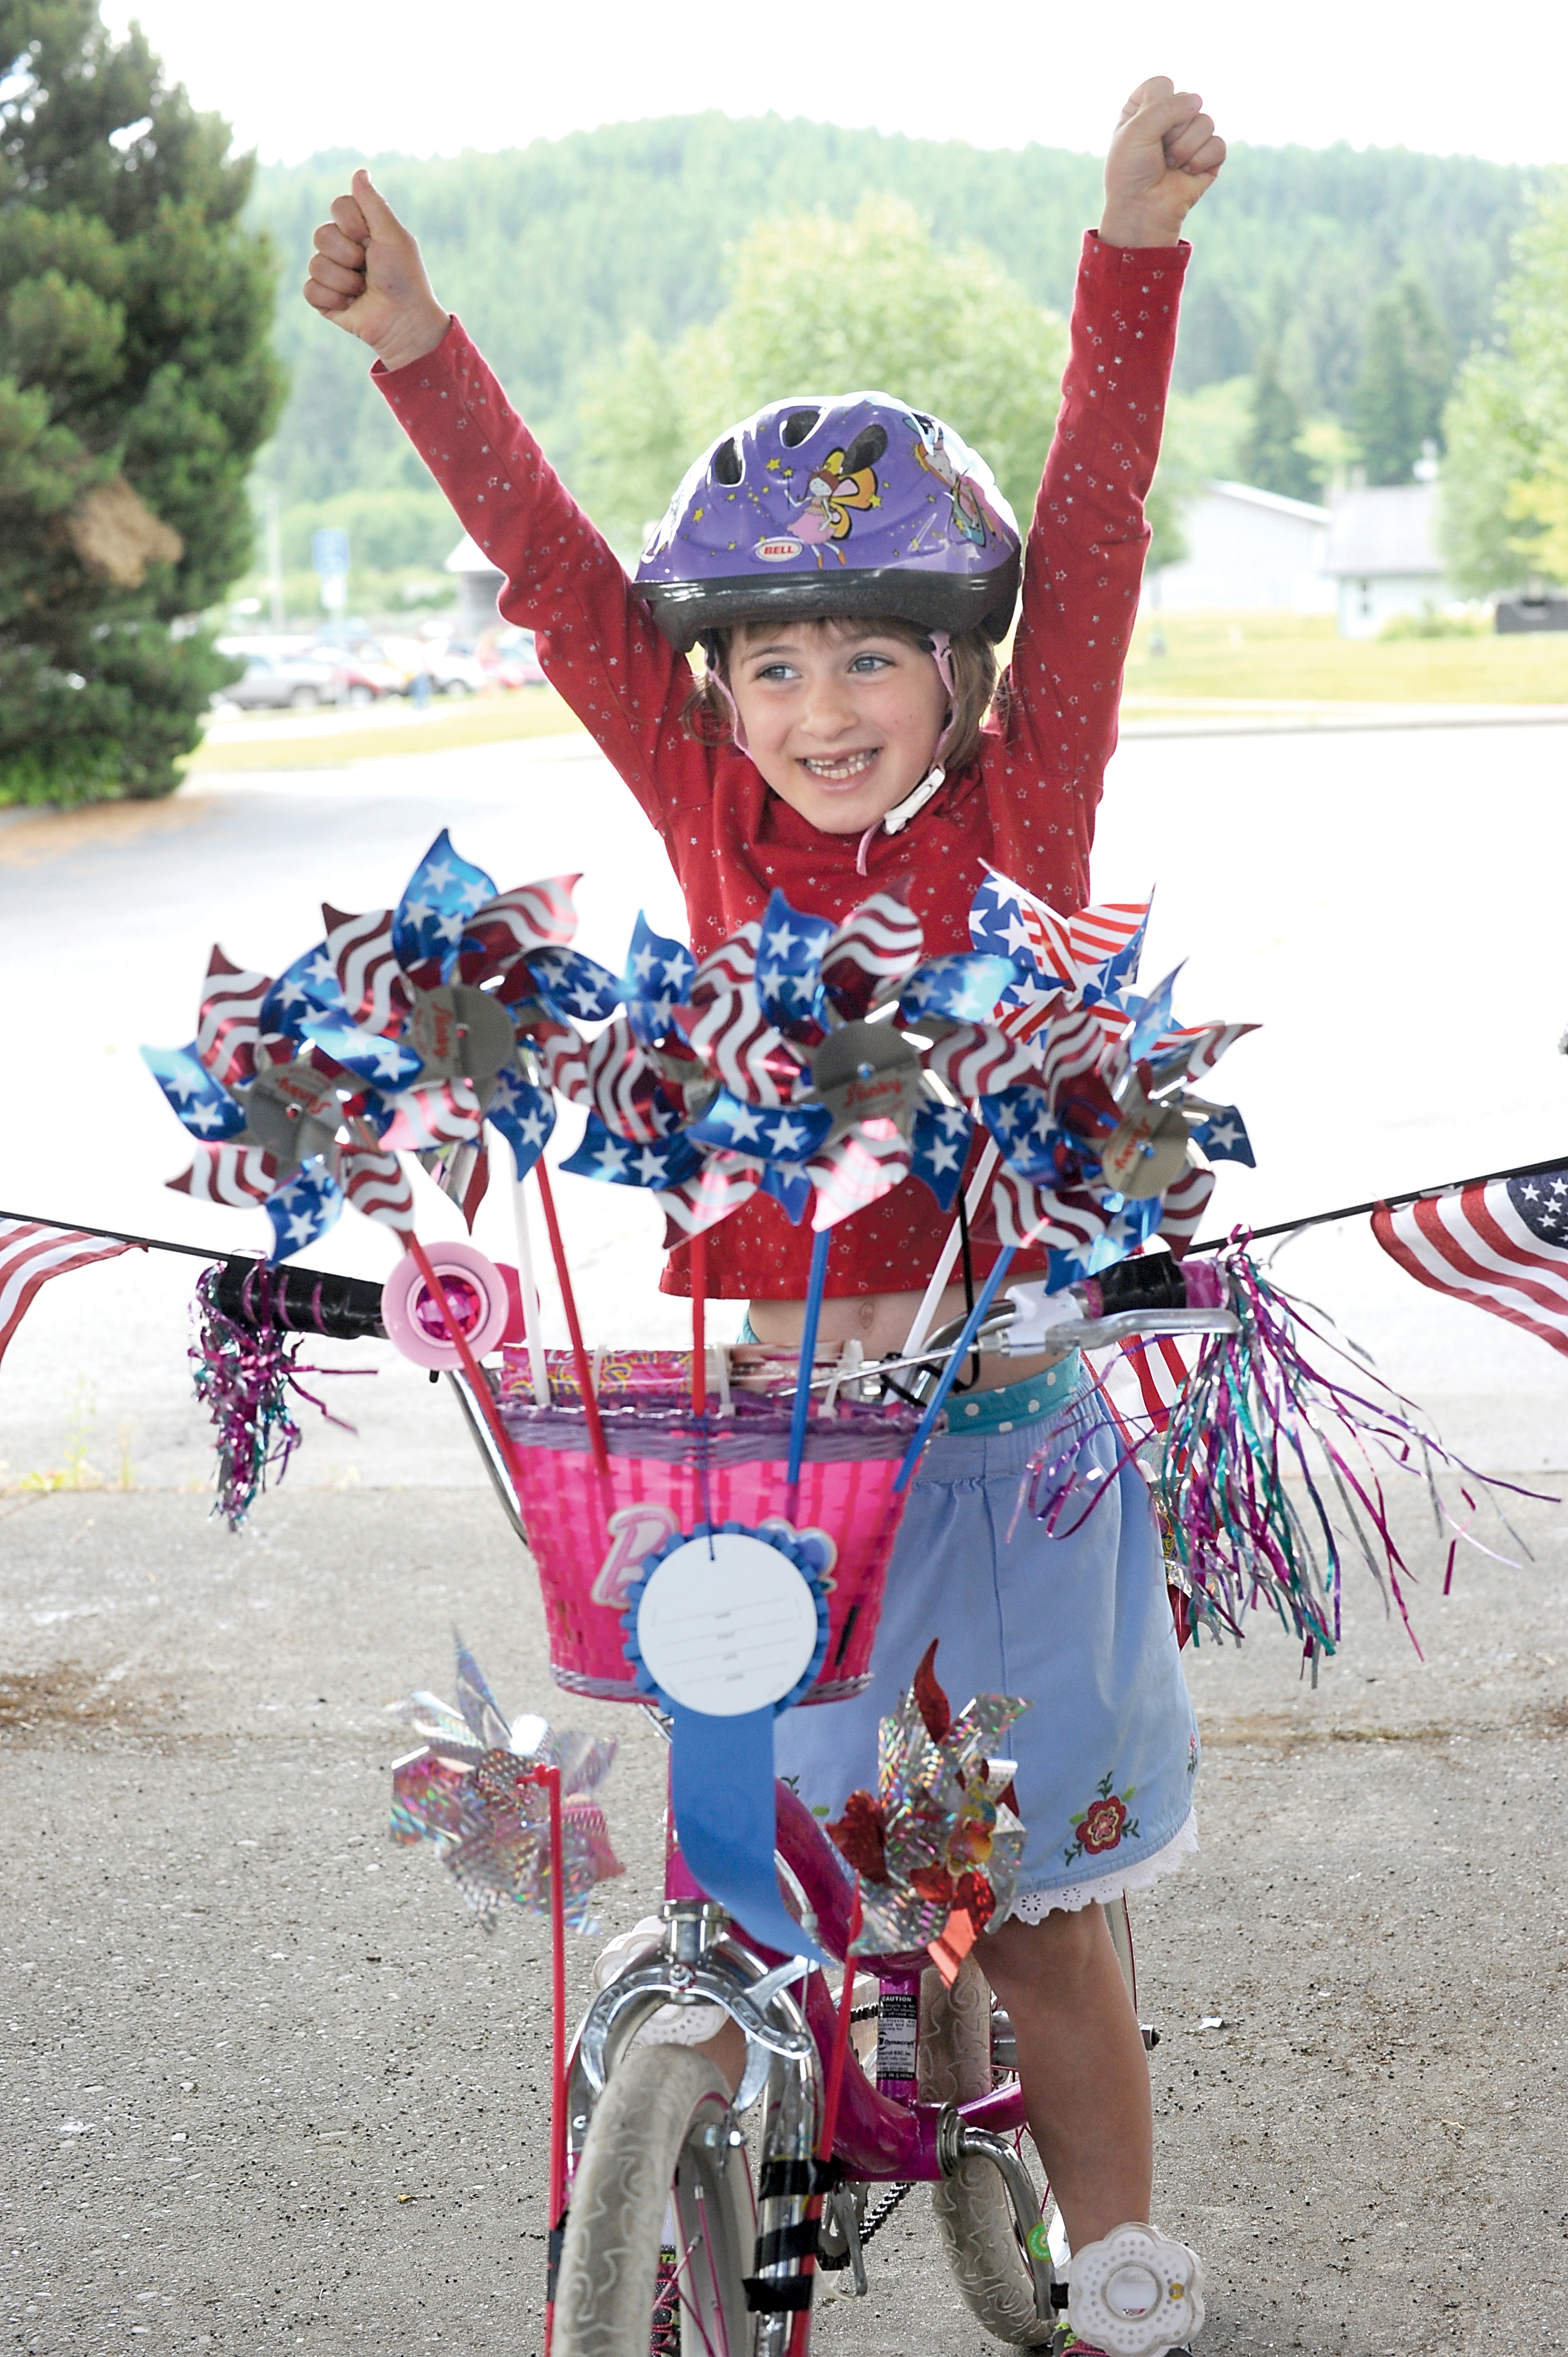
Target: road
pixel 308 2094
pixel 1388 907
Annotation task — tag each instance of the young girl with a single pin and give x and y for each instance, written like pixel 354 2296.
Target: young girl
pixel 841 742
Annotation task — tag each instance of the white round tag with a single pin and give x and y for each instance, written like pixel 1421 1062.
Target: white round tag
pixel 727 1624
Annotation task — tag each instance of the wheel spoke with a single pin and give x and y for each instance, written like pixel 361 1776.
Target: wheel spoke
pixel 682 2283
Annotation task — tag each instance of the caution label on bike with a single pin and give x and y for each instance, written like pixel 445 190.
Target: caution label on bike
pixel 896 2028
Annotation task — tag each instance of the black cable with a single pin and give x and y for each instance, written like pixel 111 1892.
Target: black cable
pixel 1383 1202
pixel 970 1381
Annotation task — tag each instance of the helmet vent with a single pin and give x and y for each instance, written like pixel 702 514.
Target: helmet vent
pixel 726 466
pixel 797 426
pixel 866 449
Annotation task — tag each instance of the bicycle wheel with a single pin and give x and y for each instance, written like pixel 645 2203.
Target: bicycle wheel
pixel 657 2147
pixel 974 2215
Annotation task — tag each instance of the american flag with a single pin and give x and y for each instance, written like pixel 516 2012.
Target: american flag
pixel 30 1253
pixel 1502 1245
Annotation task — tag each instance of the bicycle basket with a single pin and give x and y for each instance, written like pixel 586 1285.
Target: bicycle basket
pixel 669 1470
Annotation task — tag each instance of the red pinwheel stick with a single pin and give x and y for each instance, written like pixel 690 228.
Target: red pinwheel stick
pixel 699 1325
pixel 569 1302
pixel 550 1778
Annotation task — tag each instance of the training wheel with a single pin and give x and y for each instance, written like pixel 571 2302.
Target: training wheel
pixel 474 1286
pixel 1135 2294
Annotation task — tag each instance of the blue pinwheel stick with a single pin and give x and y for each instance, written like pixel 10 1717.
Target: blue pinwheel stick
pixel 983 1301
pixel 815 1282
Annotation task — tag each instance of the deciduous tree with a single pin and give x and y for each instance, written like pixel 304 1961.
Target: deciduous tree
pixel 826 306
pixel 1505 480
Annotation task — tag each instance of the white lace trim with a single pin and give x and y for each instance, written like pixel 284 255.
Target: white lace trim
pixel 1034 1906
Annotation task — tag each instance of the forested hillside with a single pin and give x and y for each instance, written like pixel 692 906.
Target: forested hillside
pixel 553 255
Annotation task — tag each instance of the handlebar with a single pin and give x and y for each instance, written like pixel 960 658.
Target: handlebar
pixel 1155 1294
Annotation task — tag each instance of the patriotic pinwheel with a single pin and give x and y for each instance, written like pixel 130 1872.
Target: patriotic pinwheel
pixel 435 995
pixel 399 1031
pixel 269 1108
pixel 1081 1083
pixel 809 1096
pixel 637 1081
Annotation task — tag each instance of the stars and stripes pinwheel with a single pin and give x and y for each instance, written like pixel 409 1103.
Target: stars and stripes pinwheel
pixel 817 1094
pixel 402 1030
pixel 268 1107
pixel 1083 1083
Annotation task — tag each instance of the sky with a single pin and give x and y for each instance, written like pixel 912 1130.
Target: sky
pixel 294 77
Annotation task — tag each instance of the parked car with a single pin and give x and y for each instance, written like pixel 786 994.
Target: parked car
pixel 365 672
pixel 510 658
pixel 280 680
pixel 452 673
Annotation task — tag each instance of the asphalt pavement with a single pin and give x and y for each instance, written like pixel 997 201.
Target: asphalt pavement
pixel 267 2085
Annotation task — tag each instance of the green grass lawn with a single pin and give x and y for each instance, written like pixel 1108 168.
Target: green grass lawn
pixel 301 741
pixel 1287 656
pixel 1217 658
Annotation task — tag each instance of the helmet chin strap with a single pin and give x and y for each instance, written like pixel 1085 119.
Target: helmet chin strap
pixel 893 822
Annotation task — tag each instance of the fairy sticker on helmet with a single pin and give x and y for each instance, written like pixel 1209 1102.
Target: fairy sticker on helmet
pixel 846 480
pixel 968 517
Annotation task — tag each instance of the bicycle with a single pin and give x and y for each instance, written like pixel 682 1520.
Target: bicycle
pixel 666 2240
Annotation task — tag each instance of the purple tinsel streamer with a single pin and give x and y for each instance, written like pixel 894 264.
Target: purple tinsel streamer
pixel 244 1376
pixel 1241 1429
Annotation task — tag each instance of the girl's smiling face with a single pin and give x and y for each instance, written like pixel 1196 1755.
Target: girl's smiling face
pixel 841 718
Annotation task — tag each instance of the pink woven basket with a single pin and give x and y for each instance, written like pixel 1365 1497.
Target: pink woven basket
pixel 668 1472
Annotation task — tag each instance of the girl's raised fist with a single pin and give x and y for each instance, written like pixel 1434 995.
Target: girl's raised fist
pixel 366 275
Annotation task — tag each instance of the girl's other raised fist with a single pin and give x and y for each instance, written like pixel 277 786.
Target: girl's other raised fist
pixel 1163 153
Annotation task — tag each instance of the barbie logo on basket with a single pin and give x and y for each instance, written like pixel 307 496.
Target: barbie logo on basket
pixel 637 1532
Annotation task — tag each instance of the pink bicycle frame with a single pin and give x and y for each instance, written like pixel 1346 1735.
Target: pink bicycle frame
pixel 884 2132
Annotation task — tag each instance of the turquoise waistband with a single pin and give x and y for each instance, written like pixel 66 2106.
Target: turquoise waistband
pixel 1016 1404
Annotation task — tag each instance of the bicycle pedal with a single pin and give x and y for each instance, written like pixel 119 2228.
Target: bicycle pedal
pixel 1136 2293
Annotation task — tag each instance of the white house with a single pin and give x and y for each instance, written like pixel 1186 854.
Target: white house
pixel 1248 549
pixel 1382 556
pixel 479 583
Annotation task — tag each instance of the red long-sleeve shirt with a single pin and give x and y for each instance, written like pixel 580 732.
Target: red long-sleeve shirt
pixel 1025 805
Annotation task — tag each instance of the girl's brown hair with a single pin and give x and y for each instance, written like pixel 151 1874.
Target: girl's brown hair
pixel 970 653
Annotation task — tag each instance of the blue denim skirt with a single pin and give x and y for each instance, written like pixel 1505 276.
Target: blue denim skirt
pixel 1077 1621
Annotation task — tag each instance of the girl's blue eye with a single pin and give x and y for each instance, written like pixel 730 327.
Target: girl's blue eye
pixel 775 670
pixel 873 662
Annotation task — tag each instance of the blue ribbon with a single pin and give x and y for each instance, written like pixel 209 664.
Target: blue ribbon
pixel 722 1792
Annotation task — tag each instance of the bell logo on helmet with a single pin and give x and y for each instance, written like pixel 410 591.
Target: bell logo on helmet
pixel 778 548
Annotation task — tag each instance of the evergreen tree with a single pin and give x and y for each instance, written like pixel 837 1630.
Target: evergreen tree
pixel 1269 458
pixel 137 381
pixel 1397 405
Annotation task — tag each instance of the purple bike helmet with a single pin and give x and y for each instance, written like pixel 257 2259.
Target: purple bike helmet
pixel 837 504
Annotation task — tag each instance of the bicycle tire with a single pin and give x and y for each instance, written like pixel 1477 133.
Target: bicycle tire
pixel 974 2215
pixel 647 2152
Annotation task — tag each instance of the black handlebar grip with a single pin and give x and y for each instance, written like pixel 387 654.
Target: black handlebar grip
pixel 1154 1281
pixel 298 1300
